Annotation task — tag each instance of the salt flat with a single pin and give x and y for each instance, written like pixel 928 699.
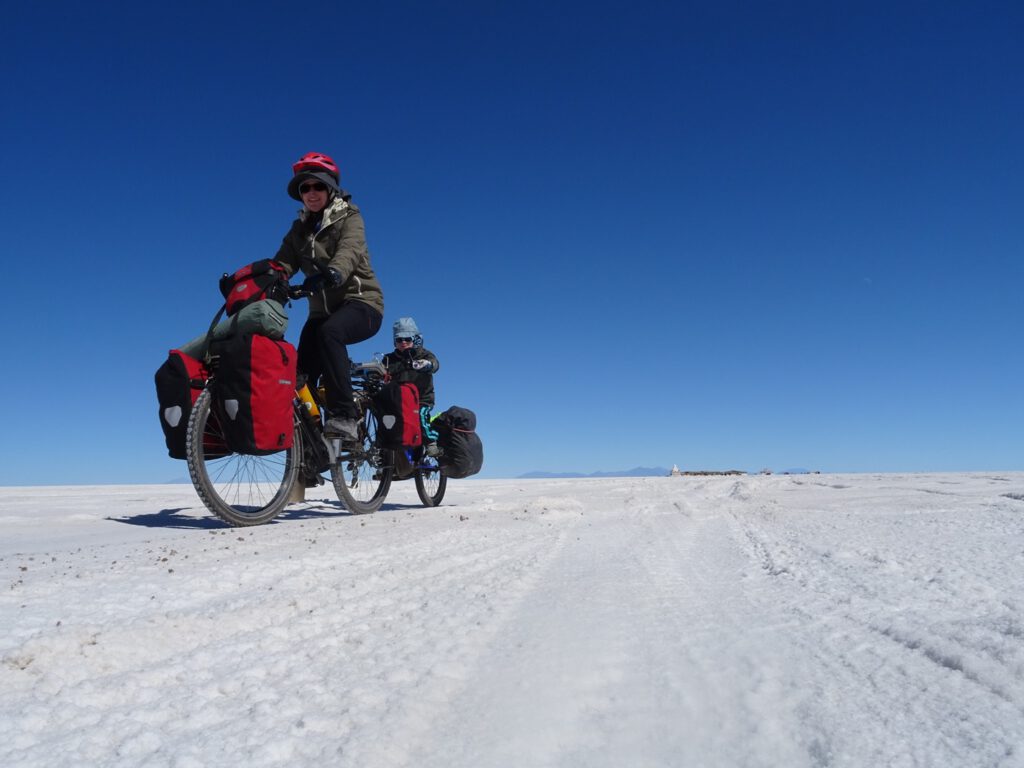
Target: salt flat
pixel 805 620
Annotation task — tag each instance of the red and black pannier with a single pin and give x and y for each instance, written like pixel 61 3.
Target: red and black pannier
pixel 253 393
pixel 179 381
pixel 399 405
pixel 264 279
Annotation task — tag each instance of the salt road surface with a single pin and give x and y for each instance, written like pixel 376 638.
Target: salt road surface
pixel 840 620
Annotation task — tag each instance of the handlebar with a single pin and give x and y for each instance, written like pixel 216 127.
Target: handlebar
pixel 374 367
pixel 297 291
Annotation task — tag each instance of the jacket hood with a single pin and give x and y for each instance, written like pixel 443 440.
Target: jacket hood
pixel 338 203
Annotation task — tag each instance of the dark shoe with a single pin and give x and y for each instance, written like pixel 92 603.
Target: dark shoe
pixel 343 427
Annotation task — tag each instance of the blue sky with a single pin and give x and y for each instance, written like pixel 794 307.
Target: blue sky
pixel 721 235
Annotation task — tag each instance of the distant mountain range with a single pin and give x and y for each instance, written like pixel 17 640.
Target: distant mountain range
pixel 635 472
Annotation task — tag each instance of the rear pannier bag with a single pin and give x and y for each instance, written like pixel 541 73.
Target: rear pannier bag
pixel 462 453
pixel 253 393
pixel 264 279
pixel 179 381
pixel 399 405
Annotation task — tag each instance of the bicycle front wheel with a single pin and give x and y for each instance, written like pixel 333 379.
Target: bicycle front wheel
pixel 239 489
pixel 430 483
pixel 362 471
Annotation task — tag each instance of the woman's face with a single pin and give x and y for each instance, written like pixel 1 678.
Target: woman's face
pixel 402 344
pixel 314 194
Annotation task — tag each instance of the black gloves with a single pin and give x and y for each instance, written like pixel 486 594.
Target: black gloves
pixel 316 283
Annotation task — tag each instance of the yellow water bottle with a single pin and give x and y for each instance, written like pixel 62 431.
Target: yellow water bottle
pixel 309 404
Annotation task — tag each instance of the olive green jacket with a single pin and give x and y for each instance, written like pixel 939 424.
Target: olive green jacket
pixel 340 243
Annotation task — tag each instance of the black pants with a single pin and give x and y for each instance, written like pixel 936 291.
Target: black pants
pixel 323 352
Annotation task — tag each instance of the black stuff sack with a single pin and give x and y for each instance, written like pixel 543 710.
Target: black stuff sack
pixel 264 279
pixel 179 382
pixel 462 453
pixel 399 406
pixel 253 393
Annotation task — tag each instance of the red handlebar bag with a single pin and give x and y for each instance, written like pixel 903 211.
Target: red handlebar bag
pixel 264 279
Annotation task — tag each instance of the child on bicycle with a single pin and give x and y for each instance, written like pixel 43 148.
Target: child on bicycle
pixel 411 361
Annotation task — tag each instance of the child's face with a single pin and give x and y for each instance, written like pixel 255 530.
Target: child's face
pixel 403 343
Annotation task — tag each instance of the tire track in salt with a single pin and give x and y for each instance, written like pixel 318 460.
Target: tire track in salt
pixel 626 630
pixel 275 625
pixel 850 617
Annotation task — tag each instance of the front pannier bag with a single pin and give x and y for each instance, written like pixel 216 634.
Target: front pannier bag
pixel 253 393
pixel 462 453
pixel 179 381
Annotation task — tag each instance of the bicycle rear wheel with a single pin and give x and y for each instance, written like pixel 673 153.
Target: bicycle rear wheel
pixel 239 489
pixel 362 472
pixel 430 483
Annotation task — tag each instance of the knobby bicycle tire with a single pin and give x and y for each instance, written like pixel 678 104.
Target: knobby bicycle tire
pixel 362 472
pixel 239 489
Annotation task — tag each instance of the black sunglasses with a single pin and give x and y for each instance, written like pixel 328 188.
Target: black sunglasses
pixel 319 186
pixel 406 339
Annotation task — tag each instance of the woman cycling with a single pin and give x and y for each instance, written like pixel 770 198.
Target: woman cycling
pixel 327 242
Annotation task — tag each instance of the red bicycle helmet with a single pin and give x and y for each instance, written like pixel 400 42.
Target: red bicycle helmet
pixel 316 161
pixel 315 165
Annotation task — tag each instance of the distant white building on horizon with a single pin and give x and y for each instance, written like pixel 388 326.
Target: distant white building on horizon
pixel 675 471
